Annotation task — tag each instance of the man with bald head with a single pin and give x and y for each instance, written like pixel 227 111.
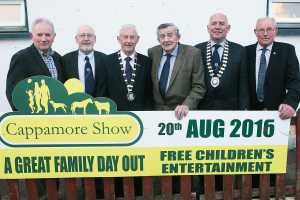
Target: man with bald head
pixel 86 64
pixel 38 59
pixel 225 69
pixel 226 75
pixel 273 71
pixel 128 77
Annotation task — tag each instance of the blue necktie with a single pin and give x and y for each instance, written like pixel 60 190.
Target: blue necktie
pixel 261 75
pixel 163 80
pixel 88 77
pixel 216 61
pixel 128 69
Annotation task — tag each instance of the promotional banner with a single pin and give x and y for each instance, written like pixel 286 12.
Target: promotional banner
pixel 61 132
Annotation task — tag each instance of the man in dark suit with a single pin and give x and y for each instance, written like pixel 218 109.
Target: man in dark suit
pixel 177 76
pixel 128 83
pixel 128 76
pixel 226 74
pixel 177 73
pixel 38 59
pixel 86 64
pixel 274 80
pixel 273 72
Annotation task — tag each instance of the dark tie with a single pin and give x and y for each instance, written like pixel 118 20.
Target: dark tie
pixel 88 77
pixel 163 80
pixel 216 61
pixel 261 75
pixel 128 69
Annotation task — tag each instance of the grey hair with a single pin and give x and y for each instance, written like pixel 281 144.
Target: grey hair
pixel 220 14
pixel 272 19
pixel 128 26
pixel 42 20
pixel 166 25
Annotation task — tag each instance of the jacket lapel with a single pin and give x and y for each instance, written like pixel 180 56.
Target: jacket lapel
pixel 117 66
pixel 274 59
pixel 156 64
pixel 74 63
pixel 179 62
pixel 252 67
pixel 39 60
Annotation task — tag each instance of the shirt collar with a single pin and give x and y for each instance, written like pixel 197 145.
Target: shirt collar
pixel 90 55
pixel 50 52
pixel 123 55
pixel 174 52
pixel 220 43
pixel 259 47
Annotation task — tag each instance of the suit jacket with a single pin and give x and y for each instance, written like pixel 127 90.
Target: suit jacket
pixel 282 79
pixel 142 87
pixel 232 93
pixel 25 63
pixel 70 68
pixel 187 79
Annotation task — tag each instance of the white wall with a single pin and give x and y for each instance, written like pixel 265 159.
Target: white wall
pixel 107 16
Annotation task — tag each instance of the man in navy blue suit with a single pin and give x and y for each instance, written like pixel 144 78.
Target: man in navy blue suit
pixel 226 74
pixel 278 86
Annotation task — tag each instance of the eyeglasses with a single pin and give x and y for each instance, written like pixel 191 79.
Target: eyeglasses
pixel 262 31
pixel 88 35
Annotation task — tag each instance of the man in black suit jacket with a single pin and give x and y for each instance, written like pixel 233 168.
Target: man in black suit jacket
pixel 75 61
pixel 38 59
pixel 278 88
pixel 281 86
pixel 128 83
pixel 227 84
pixel 226 77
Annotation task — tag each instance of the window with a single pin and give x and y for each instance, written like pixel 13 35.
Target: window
pixel 286 13
pixel 13 19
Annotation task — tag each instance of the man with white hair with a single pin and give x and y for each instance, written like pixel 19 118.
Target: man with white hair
pixel 274 78
pixel 128 77
pixel 85 64
pixel 273 71
pixel 128 84
pixel 38 59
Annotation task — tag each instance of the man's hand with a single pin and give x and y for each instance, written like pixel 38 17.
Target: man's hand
pixel 286 111
pixel 181 111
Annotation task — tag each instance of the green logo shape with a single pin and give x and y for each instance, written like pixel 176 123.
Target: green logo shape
pixel 44 96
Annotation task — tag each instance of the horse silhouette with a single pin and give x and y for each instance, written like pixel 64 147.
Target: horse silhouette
pixel 80 104
pixel 102 106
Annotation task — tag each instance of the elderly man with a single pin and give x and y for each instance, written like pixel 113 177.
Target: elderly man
pixel 128 76
pixel 86 64
pixel 225 69
pixel 273 72
pixel 177 73
pixel 38 59
pixel 128 83
pixel 226 74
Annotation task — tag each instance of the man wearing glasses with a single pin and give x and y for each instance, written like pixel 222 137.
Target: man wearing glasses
pixel 273 72
pixel 274 80
pixel 85 64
